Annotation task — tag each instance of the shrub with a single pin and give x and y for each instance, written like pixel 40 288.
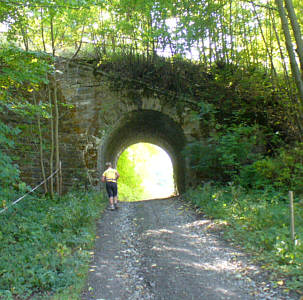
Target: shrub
pixel 285 171
pixel 45 244
pixel 223 155
pixel 259 222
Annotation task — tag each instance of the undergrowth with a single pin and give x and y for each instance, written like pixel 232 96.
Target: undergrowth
pixel 258 221
pixel 46 246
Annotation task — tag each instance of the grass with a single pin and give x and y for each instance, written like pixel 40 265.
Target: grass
pixel 258 221
pixel 46 246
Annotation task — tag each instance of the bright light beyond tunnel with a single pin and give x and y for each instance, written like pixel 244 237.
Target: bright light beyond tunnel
pixel 146 172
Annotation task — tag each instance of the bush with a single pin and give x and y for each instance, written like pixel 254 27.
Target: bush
pixel 9 172
pixel 222 156
pixel 204 159
pixel 45 244
pixel 238 155
pixel 284 171
pixel 259 222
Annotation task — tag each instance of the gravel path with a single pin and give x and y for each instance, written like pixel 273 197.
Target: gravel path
pixel 160 250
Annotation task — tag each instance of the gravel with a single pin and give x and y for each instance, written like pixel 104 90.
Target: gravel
pixel 160 250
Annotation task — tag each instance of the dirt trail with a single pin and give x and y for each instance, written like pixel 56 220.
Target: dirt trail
pixel 159 250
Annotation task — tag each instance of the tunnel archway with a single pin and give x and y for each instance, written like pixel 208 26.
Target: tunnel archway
pixel 146 172
pixel 146 126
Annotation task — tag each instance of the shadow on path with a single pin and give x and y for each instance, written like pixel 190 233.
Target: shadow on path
pixel 159 250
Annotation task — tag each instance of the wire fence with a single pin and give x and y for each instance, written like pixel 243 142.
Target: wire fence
pixel 32 190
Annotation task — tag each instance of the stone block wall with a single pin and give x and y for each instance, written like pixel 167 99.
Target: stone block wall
pixel 92 112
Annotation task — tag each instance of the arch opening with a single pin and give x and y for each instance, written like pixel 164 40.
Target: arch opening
pixel 146 126
pixel 146 172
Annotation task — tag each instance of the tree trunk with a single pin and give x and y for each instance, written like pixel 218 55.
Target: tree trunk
pixel 210 48
pixel 51 159
pixel 293 63
pixel 56 131
pixel 52 36
pixel 223 35
pixel 205 61
pixel 41 147
pixel 296 29
pixel 272 17
pixel 113 43
pixel 42 31
pixel 80 44
pixel 264 41
pixel 25 38
pixel 246 44
pixel 294 111
pixel 231 33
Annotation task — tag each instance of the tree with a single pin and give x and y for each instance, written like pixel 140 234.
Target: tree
pixel 294 66
pixel 21 73
pixel 296 30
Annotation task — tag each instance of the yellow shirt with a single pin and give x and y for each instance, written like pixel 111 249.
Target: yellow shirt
pixel 110 175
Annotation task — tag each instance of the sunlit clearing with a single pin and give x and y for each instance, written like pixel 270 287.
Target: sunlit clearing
pixel 3 28
pixel 146 172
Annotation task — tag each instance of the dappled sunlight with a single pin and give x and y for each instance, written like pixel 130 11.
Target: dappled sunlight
pixel 153 171
pixel 190 248
pixel 177 249
pixel 196 223
pixel 159 231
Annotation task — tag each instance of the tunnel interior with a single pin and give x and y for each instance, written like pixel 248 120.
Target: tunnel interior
pixel 146 126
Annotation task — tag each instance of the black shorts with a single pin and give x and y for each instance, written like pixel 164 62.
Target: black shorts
pixel 112 189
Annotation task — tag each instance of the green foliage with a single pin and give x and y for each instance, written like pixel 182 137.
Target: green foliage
pixel 238 146
pixel 238 154
pixel 23 70
pixel 284 171
pixel 130 181
pixel 9 172
pixel 46 243
pixel 204 160
pixel 223 155
pixel 171 80
pixel 259 222
pixel 21 73
pixel 235 41
pixel 224 95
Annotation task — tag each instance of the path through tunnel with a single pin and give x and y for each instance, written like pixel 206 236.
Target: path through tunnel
pixel 147 126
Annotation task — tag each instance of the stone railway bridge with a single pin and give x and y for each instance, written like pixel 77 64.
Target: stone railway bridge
pixel 103 123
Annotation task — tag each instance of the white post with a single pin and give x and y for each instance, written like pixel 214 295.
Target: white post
pixel 292 216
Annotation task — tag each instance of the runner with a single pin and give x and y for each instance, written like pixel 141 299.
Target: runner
pixel 110 177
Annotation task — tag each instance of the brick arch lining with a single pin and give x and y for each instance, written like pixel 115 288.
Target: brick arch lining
pixel 150 127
